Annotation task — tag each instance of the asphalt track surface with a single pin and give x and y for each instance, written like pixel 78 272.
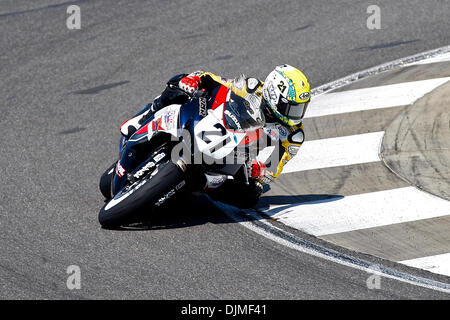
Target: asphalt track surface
pixel 65 92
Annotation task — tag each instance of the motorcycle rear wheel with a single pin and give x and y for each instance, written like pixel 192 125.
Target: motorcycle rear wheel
pixel 106 181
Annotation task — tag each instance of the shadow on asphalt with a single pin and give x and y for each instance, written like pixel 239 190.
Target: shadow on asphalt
pixel 283 202
pixel 191 211
pixel 185 212
pixel 299 199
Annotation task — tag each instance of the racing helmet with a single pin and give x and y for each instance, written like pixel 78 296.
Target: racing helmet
pixel 287 93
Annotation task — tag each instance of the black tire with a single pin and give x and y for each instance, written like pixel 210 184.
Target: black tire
pixel 238 194
pixel 106 181
pixel 144 193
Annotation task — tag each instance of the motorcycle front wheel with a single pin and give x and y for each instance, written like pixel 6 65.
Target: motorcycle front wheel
pixel 146 193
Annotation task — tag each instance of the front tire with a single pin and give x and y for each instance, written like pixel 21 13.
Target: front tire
pixel 144 193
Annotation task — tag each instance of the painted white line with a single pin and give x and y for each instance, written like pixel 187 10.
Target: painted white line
pixel 440 58
pixel 334 152
pixel 388 96
pixel 436 264
pixel 269 231
pixel 361 211
pixel 264 154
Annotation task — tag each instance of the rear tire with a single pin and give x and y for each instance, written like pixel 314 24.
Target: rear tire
pixel 106 182
pixel 238 194
pixel 145 193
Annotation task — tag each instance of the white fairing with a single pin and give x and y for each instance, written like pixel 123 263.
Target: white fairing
pixel 169 120
pixel 165 120
pixel 212 138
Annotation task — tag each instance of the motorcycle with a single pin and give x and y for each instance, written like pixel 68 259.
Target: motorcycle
pixel 195 147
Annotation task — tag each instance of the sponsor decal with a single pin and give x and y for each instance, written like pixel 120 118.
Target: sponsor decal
pixel 235 120
pixel 202 110
pixel 252 103
pixel 149 165
pixel 159 156
pixel 272 133
pixel 169 120
pixel 266 179
pixel 120 171
pixel 283 131
pixel 144 169
pixel 215 181
pixel 293 150
pixel 272 93
pixel 169 194
pixel 304 96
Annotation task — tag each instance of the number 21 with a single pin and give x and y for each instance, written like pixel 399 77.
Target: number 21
pixel 281 86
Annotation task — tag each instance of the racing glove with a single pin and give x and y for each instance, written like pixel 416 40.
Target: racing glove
pixel 256 169
pixel 189 84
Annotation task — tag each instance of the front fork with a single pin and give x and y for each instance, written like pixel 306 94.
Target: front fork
pixel 123 165
pixel 127 157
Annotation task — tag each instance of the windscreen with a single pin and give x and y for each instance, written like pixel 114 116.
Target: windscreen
pixel 242 115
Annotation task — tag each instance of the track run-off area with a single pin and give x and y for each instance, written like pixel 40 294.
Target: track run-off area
pixel 396 221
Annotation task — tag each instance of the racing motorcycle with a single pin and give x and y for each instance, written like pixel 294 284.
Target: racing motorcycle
pixel 194 147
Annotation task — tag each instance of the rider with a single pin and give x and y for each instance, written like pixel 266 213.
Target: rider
pixel 284 97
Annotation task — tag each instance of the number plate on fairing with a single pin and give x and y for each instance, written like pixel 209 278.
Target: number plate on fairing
pixel 212 138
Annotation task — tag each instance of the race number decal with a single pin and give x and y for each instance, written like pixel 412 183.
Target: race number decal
pixel 282 86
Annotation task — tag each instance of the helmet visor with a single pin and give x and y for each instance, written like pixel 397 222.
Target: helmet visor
pixel 292 110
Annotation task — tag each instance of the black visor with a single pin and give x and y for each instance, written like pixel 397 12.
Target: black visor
pixel 291 110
